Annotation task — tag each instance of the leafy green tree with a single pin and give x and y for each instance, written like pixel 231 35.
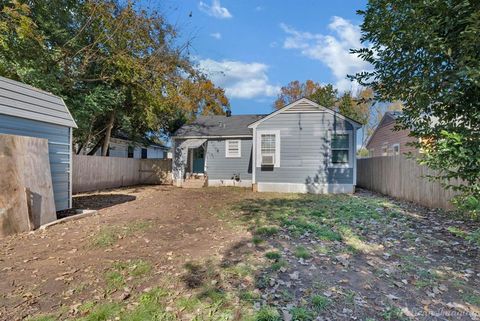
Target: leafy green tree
pixel 116 66
pixel 324 95
pixel 426 54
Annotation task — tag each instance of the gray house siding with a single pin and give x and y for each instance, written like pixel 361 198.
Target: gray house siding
pixel 59 151
pixel 305 149
pixel 20 100
pixel 220 167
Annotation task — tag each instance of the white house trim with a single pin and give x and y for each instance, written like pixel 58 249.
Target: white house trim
pixel 305 100
pixel 254 156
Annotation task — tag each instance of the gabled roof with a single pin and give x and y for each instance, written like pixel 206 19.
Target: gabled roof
pixel 218 125
pixel 387 118
pixel 24 101
pixel 312 106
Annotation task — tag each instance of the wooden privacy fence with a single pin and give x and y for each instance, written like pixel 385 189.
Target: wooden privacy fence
pixel 92 173
pixel 402 178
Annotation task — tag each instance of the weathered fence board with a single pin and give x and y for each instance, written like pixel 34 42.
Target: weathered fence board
pixel 95 172
pixel 402 178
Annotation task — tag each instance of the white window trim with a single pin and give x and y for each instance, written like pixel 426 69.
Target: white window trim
pixel 351 157
pixel 258 148
pixel 228 154
pixel 384 153
pixel 393 149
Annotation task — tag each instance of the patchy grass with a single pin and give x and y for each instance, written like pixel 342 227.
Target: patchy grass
pixel 267 314
pixel 301 252
pixel 266 231
pixel 302 314
pixel 107 236
pixel 276 266
pixel 320 302
pixel 273 255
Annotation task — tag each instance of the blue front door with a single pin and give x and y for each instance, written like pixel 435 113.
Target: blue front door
pixel 198 160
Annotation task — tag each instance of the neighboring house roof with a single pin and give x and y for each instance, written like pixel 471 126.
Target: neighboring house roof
pixel 388 118
pixel 218 125
pixel 146 143
pixel 307 105
pixel 24 101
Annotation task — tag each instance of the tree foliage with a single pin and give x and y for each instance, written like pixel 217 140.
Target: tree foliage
pixel 116 66
pixel 426 54
pixel 356 107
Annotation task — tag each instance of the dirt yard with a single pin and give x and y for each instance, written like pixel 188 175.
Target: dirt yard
pixel 162 253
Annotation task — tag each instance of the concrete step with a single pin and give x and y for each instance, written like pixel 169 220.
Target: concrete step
pixel 194 183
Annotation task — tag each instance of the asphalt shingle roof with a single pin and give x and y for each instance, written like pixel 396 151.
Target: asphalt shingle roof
pixel 218 126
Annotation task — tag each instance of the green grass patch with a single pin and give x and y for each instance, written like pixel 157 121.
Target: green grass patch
pixel 320 302
pixel 273 255
pixel 114 280
pixel 302 314
pixel 266 231
pixel 257 240
pixel 42 318
pixel 473 299
pixel 302 253
pixel 104 238
pixel 103 312
pixel 278 265
pixel 267 314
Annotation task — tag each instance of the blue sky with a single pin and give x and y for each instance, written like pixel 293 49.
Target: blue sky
pixel 252 48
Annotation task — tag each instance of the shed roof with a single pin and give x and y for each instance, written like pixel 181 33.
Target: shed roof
pixel 24 101
pixel 218 125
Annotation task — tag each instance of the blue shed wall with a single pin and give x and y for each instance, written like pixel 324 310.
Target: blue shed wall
pixel 59 151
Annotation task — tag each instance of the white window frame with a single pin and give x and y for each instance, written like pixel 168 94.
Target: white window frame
pixel 385 147
pixel 228 153
pixel 351 157
pixel 259 134
pixel 393 149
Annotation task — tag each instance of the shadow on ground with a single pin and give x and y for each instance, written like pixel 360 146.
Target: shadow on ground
pixel 99 201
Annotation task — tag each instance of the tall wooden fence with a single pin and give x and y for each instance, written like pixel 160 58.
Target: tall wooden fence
pixel 402 178
pixel 95 172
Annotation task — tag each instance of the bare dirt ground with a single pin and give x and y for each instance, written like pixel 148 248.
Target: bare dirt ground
pixel 164 226
pixel 162 253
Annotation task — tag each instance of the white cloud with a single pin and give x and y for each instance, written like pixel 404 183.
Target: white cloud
pixel 259 8
pixel 215 10
pixel 332 50
pixel 240 79
pixel 216 35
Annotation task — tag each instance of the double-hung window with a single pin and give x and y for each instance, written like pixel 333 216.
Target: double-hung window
pixel 340 150
pixel 233 148
pixel 268 153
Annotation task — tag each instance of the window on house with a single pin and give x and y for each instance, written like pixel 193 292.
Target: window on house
pixel 396 149
pixel 268 149
pixel 385 150
pixel 233 148
pixel 130 151
pixel 144 153
pixel 340 146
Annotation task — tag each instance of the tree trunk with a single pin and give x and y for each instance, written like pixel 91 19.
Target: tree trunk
pixel 108 133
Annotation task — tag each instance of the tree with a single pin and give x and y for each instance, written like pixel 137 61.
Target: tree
pixel 116 66
pixel 295 90
pixel 426 54
pixel 324 95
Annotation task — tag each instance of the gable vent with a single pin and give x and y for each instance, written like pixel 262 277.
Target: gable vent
pixel 303 107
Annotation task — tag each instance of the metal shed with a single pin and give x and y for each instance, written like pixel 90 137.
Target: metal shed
pixel 28 111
